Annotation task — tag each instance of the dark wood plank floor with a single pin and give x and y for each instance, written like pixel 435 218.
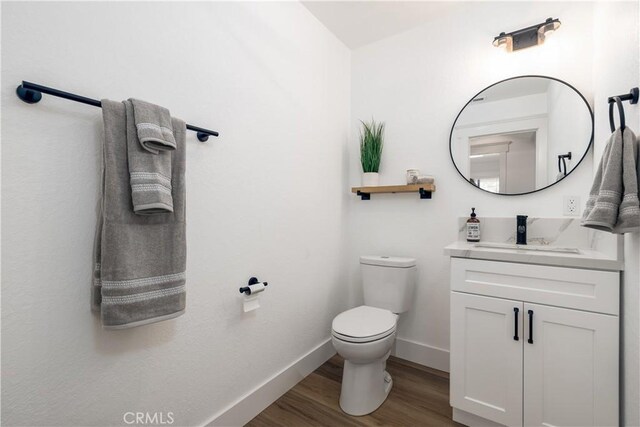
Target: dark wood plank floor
pixel 419 397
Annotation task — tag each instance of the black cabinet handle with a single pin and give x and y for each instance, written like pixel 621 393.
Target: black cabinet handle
pixel 516 310
pixel 530 340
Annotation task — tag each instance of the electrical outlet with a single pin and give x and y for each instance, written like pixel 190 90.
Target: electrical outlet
pixel 571 206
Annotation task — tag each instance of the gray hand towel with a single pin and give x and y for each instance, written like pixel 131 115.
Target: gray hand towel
pixel 153 124
pixel 601 211
pixel 613 200
pixel 629 211
pixel 149 168
pixel 140 261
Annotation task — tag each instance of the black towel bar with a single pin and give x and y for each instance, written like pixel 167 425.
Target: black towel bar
pixel 562 164
pixel 632 97
pixel 31 93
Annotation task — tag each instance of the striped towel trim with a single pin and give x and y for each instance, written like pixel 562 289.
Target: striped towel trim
pixel 144 296
pixel 606 205
pixel 154 126
pixel 630 209
pixel 137 188
pixel 610 193
pixel 150 176
pixel 136 283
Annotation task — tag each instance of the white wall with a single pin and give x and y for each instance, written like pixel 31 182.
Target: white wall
pixel 616 69
pixel 417 82
pixel 569 126
pixel 267 198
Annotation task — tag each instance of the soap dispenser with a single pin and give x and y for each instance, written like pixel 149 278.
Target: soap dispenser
pixel 473 227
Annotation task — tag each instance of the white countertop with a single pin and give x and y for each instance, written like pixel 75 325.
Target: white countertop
pixel 585 259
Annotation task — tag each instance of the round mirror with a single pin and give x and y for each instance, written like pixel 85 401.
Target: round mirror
pixel 521 135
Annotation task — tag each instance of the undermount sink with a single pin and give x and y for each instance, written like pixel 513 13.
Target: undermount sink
pixel 536 248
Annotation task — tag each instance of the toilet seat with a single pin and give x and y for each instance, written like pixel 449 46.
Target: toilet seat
pixel 364 324
pixel 362 340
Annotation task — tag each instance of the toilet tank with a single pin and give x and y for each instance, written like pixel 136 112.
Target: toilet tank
pixel 388 282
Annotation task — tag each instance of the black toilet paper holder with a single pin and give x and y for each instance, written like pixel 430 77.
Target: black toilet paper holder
pixel 252 281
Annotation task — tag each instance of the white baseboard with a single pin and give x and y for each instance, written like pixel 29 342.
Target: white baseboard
pixel 257 400
pixel 471 420
pixel 422 354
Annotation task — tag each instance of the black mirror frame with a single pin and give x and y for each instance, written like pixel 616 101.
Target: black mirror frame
pixel 586 151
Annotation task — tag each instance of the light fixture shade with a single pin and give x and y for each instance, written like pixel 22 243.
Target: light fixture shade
pixel 526 37
pixel 548 26
pixel 504 40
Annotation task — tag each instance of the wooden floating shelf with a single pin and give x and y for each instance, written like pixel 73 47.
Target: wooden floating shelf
pixel 425 190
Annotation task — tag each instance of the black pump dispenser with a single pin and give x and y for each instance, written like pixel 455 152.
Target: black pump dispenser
pixel 473 227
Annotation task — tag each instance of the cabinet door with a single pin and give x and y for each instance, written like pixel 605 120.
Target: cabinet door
pixel 486 357
pixel 570 367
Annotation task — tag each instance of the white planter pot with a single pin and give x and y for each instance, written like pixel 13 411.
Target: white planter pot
pixel 370 179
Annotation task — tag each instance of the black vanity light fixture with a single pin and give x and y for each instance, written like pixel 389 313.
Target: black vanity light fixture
pixel 526 37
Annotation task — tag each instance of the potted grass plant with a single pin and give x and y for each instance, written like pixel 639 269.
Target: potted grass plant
pixel 371 142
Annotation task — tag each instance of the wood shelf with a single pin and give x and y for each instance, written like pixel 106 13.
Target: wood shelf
pixel 425 190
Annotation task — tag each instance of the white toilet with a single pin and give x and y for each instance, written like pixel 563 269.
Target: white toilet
pixel 363 336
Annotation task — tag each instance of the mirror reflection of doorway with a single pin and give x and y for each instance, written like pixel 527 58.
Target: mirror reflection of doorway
pixel 504 163
pixel 507 114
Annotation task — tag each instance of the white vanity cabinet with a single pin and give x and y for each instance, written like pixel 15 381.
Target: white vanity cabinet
pixel 533 345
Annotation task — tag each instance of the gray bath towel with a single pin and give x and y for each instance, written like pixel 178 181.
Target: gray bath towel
pixel 140 260
pixel 629 211
pixel 613 200
pixel 149 146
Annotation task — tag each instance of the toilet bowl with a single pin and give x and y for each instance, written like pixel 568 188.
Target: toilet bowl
pixel 364 335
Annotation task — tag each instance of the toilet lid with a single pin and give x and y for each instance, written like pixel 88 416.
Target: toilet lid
pixel 364 322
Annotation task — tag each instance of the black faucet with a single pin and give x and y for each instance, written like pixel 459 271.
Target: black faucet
pixel 521 230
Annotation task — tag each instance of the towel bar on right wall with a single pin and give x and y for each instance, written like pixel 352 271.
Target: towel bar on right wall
pixel 632 97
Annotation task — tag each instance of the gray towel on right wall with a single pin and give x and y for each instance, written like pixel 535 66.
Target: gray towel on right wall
pixel 629 211
pixel 613 204
pixel 140 260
